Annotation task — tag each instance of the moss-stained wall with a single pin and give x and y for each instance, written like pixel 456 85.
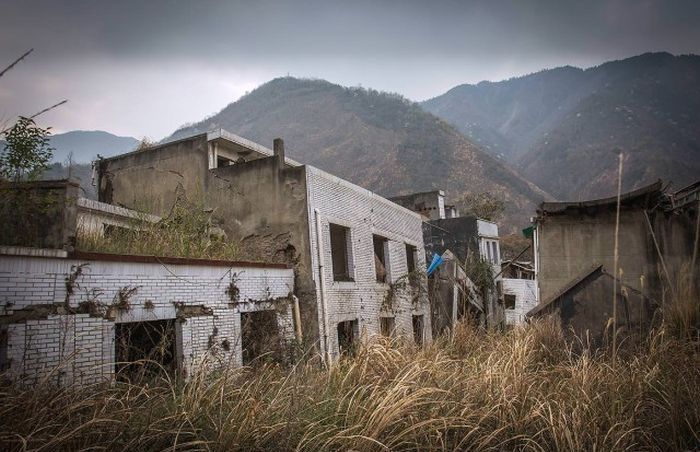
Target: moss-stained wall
pixel 41 214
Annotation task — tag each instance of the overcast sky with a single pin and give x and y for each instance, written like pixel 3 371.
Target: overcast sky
pixel 142 68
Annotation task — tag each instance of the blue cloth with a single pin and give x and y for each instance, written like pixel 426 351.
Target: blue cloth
pixel 437 260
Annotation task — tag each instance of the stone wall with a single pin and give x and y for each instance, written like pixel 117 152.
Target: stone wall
pixel 60 313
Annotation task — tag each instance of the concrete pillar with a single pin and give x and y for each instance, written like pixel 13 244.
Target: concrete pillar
pixel 278 148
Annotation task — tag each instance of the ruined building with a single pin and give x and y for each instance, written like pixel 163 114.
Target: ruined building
pixel 574 248
pixel 352 251
pixel 73 317
pixel 470 241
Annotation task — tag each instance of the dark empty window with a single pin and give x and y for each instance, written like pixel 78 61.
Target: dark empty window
pixel 114 231
pixel 380 257
pixel 4 361
pixel 410 258
pixel 223 161
pixel 340 255
pixel 387 325
pixel 418 329
pixel 509 301
pixel 347 336
pixel 144 349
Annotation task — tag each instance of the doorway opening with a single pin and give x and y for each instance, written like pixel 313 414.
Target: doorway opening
pixel 144 349
pixel 260 337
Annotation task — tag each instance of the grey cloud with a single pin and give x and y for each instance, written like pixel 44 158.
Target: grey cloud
pixel 417 48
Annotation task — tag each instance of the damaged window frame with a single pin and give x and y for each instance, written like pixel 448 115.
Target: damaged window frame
pixel 418 326
pixel 382 264
pixel 387 326
pixel 509 301
pixel 4 352
pixel 340 238
pixel 348 329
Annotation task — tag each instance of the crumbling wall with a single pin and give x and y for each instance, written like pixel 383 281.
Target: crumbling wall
pixel 151 180
pixel 569 244
pixel 60 313
pixel 41 214
pixel 260 205
pixel 263 207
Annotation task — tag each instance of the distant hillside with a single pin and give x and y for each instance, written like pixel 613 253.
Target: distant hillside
pixel 379 141
pixel 85 145
pixel 560 126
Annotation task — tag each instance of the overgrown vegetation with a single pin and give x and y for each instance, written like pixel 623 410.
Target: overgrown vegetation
pixel 186 232
pixel 523 390
pixel 482 205
pixel 479 270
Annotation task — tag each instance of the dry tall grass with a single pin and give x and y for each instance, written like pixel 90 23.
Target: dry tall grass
pixel 186 232
pixel 523 390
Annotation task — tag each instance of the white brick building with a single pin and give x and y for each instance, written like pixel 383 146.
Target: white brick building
pixel 60 314
pixel 354 285
pixel 360 218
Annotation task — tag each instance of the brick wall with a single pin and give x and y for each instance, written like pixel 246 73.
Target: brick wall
pixel 365 213
pixel 48 340
pixel 525 291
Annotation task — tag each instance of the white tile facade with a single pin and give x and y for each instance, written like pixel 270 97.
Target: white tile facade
pixel 46 341
pixel 525 291
pixel 364 213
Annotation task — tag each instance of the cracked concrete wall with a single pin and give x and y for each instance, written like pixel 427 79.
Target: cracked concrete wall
pixel 151 180
pixel 39 214
pixel 259 205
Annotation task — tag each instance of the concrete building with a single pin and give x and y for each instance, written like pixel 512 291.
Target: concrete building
pixel 72 316
pixel 657 242
pixel 465 237
pixel 656 239
pixel 430 204
pixel 453 295
pixel 352 250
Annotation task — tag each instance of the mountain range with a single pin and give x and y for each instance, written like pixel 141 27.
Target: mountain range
pixel 379 141
pixel 561 128
pixel 552 134
pixel 86 144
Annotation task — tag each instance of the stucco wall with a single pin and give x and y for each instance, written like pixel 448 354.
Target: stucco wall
pixel 364 213
pixel 46 329
pixel 150 180
pixel 570 244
